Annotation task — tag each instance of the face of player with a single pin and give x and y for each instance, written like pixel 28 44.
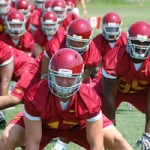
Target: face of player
pixel 15 30
pixel 2 6
pixel 77 44
pixel 141 47
pixel 15 25
pixel 140 50
pixel 66 83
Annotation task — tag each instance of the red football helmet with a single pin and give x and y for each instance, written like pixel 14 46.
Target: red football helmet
pixel 65 64
pixel 49 23
pixel 47 5
pixel 79 31
pixel 4 6
pixel 15 23
pixel 138 45
pixel 111 26
pixel 60 8
pixel 70 6
pixel 23 7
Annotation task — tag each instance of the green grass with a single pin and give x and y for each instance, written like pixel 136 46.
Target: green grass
pixel 128 12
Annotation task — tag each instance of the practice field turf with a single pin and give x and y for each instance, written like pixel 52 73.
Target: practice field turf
pixel 129 122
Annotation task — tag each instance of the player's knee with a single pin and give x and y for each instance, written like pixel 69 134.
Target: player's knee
pixel 7 140
pixel 3 141
pixel 119 139
pixel 121 142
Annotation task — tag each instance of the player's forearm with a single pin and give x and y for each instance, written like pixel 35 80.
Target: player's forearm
pixel 32 146
pixel 83 5
pixel 97 148
pixel 109 106
pixel 4 88
pixel 147 125
pixel 8 101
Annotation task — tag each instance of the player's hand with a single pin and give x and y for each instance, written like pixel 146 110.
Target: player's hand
pixel 2 120
pixel 144 141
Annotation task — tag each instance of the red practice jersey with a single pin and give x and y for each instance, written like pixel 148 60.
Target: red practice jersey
pixel 40 102
pixel 25 43
pixel 91 57
pixel 103 45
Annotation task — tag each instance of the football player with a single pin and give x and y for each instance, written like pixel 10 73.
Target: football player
pixel 16 34
pixel 126 77
pixel 49 29
pixel 111 36
pixel 67 96
pixel 13 64
pixel 79 34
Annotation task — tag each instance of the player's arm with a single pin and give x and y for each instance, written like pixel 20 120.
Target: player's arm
pixel 83 5
pixel 94 132
pixel 45 64
pixel 8 101
pixel 6 72
pixel 37 49
pixel 110 88
pixel 144 140
pixel 33 133
pixel 87 72
pixel 147 127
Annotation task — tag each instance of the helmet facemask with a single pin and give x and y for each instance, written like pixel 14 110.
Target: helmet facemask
pixel 70 9
pixel 61 13
pixel 138 49
pixel 4 7
pixel 15 31
pixel 111 31
pixel 39 4
pixel 49 27
pixel 64 74
pixel 85 43
pixel 26 13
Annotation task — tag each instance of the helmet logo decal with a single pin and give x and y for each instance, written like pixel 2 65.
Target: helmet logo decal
pixel 142 38
pixel 77 37
pixel 65 72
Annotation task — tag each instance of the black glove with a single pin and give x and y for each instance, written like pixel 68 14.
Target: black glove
pixel 2 120
pixel 144 141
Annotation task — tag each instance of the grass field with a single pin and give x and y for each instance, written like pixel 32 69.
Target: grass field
pixel 129 123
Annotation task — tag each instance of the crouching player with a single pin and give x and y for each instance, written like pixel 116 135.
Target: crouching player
pixel 62 106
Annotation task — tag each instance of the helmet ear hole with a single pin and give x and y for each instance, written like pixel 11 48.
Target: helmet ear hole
pixel 138 45
pixel 65 65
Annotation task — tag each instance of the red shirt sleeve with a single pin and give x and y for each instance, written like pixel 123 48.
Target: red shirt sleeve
pixel 5 53
pixel 26 42
pixel 88 103
pixel 92 56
